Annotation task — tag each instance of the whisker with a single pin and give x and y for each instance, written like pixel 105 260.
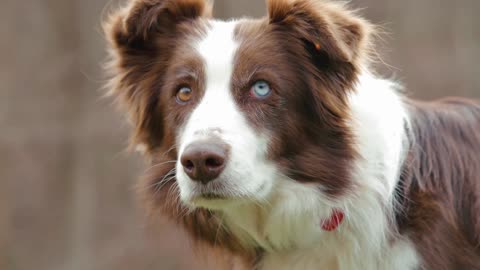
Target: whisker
pixel 169 150
pixel 161 184
pixel 220 226
pixel 167 178
pixel 187 211
pixel 159 164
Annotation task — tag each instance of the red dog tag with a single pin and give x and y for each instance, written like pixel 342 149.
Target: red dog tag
pixel 334 221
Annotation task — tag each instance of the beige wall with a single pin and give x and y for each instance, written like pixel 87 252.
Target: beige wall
pixel 231 8
pixel 66 199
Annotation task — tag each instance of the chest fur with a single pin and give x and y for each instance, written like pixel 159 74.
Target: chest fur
pixel 400 256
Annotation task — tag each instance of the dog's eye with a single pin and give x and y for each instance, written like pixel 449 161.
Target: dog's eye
pixel 261 89
pixel 184 94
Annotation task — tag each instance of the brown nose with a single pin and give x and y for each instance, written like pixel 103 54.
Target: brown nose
pixel 204 161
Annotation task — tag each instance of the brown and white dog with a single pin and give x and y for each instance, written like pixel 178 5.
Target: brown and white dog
pixel 272 139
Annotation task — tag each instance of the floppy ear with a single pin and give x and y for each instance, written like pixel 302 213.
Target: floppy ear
pixel 141 38
pixel 327 26
pixel 134 26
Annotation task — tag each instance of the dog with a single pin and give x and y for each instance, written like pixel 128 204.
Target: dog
pixel 273 140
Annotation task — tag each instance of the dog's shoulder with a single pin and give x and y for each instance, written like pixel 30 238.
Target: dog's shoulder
pixel 439 191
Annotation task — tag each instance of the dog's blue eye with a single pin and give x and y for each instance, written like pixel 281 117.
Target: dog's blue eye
pixel 261 89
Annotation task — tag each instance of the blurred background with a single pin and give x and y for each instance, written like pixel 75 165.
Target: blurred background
pixel 66 199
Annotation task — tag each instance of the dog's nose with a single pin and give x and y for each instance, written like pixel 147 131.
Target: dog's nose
pixel 204 161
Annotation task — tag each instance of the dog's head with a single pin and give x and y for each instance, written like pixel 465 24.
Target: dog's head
pixel 228 110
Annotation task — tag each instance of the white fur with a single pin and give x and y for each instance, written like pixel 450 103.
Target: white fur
pixel 288 226
pixel 247 173
pixel 283 216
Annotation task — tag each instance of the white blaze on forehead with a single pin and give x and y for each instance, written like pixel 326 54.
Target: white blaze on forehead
pixel 218 50
pixel 218 116
pixel 217 109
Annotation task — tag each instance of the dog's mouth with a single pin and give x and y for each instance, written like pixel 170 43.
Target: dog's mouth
pixel 219 195
pixel 214 200
pixel 214 190
pixel 210 196
pixel 210 200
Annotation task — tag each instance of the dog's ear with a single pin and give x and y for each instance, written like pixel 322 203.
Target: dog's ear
pixel 327 26
pixel 134 27
pixel 336 42
pixel 141 39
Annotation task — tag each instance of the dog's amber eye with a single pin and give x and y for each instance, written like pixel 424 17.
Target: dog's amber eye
pixel 184 95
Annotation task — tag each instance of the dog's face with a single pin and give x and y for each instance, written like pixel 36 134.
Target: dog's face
pixel 228 111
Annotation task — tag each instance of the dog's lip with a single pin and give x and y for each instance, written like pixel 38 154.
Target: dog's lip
pixel 209 199
pixel 211 196
pixel 215 201
pixel 216 190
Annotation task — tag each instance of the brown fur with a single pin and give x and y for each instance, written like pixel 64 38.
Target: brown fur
pixel 315 48
pixel 440 186
pixel 312 51
pixel 143 36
